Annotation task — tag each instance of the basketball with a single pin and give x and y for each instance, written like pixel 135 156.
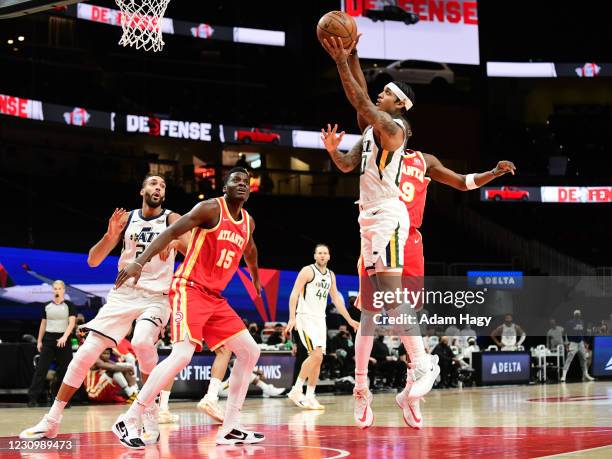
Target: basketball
pixel 337 24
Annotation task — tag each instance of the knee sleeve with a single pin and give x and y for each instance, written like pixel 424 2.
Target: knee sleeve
pixel 143 342
pixel 85 357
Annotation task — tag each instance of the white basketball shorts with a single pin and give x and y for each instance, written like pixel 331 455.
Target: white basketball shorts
pixel 312 331
pixel 384 227
pixel 125 305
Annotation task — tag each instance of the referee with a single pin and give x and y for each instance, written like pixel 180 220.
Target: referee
pixel 56 325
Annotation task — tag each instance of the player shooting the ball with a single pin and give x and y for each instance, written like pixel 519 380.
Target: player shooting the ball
pixel 385 223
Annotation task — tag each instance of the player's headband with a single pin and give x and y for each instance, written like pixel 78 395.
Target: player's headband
pixel 400 95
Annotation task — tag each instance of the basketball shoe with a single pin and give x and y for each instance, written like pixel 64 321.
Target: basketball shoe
pixel 211 407
pixel 46 428
pixel 364 416
pixel 411 408
pixel 238 436
pixel 296 396
pixel 424 375
pixel 127 430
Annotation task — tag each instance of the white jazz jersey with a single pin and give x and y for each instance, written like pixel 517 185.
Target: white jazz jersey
pixel 139 233
pixel 380 169
pixel 508 335
pixel 313 298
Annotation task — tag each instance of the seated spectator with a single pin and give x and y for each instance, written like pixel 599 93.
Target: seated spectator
pixel 341 353
pixel 383 364
pixel 257 379
pixel 110 382
pixel 466 333
pixel 254 331
pixel 124 353
pixel 449 363
pixel 277 337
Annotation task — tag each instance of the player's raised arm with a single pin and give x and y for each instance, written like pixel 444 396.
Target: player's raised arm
pixel 391 134
pixel 438 172
pixel 250 258
pixel 338 301
pixel 306 275
pixel 346 162
pixel 104 246
pixel 355 67
pixel 205 213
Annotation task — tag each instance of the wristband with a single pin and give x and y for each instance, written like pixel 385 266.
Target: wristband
pixel 470 183
pixel 136 263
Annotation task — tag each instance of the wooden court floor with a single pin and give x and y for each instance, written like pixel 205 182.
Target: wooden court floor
pixel 570 420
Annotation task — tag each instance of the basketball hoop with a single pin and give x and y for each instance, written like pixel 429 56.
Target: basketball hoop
pixel 141 21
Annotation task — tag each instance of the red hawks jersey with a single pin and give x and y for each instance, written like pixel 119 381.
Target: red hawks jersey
pixel 213 255
pixel 413 185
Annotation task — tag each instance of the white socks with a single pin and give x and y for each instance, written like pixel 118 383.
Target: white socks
pixel 213 388
pixel 57 409
pixel 299 384
pixel 415 348
pixel 164 396
pixel 310 391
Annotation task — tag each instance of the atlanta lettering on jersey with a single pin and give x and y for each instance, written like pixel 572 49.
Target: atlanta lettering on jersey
pixel 146 235
pixel 228 235
pixel 412 171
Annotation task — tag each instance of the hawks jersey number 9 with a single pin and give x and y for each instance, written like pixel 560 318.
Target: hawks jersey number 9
pixel 413 185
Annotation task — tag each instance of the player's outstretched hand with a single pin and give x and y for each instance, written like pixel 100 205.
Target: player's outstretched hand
pixel 503 167
pixel 335 49
pixel 130 270
pixel 290 326
pixel 330 139
pixel 354 324
pixel 117 222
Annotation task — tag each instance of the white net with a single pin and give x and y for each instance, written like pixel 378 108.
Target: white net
pixel 141 21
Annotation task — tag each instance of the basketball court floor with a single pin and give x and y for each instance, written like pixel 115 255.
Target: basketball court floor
pixel 571 420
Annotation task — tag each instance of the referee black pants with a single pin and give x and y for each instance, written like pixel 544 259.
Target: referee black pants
pixel 49 353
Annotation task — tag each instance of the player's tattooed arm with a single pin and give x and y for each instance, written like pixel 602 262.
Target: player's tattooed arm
pixel 346 162
pixel 250 258
pixel 391 134
pixel 116 225
pixel 355 66
pixel 205 214
pixel 439 173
